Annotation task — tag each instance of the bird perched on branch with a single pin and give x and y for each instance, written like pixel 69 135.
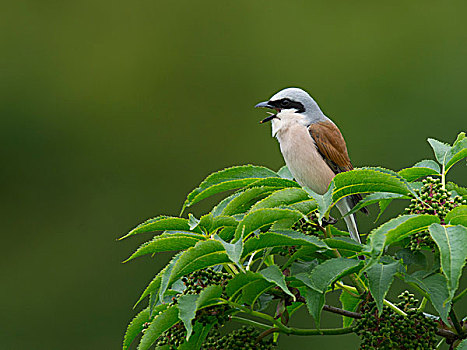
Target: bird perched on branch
pixel 312 146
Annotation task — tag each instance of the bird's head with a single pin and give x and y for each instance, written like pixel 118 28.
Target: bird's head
pixel 294 100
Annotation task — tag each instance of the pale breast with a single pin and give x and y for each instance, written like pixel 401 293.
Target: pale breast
pixel 302 158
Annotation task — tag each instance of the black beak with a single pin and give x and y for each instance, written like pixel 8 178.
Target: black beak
pixel 264 104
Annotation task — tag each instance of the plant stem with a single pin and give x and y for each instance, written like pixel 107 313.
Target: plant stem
pixel 443 178
pixel 349 289
pixel 394 307
pixel 250 322
pixel 456 322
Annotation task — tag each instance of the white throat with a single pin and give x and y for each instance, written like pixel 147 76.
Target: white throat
pixel 285 119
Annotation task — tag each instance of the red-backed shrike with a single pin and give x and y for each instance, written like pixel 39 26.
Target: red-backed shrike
pixel 312 146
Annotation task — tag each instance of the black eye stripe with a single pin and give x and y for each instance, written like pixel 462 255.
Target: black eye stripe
pixel 286 103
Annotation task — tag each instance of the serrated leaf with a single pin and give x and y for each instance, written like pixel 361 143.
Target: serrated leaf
pixel 246 200
pixel 305 207
pixel 457 216
pixel 187 311
pixel 250 285
pixel 344 243
pixel 280 239
pixel 161 322
pixel 462 345
pixel 208 296
pixel 233 250
pixel 321 277
pixel 380 278
pixel 285 173
pixel 277 183
pixel 440 149
pixel 274 274
pixel 203 254
pixel 349 303
pixel 135 327
pixel 375 198
pixel 457 152
pixel 435 286
pixel 165 276
pixel 286 196
pixel 397 229
pixel 461 191
pixel 314 303
pixel 323 202
pixel 219 208
pixel 416 172
pixel 366 180
pixel 263 217
pixel 452 244
pixel 160 223
pixel 227 179
pixel 167 242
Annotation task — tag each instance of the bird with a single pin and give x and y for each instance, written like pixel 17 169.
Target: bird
pixel 313 147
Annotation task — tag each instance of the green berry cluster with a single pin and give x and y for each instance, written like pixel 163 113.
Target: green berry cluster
pixel 392 331
pixel 173 337
pixel 434 200
pixel 310 227
pixel 244 338
pixel 195 282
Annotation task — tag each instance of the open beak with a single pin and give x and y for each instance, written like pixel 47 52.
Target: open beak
pixel 271 116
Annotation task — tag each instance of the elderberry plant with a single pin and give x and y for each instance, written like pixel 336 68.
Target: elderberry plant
pixel 270 247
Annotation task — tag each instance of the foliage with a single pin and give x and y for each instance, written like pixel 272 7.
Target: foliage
pixel 270 247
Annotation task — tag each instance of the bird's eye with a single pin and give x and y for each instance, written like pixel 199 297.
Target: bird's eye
pixel 285 102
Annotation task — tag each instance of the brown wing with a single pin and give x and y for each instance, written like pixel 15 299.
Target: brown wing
pixel 331 146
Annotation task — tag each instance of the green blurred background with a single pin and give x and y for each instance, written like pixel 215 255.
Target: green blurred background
pixel 112 111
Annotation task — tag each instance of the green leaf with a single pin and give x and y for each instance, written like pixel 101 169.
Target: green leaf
pixel 452 244
pixel 203 254
pixel 187 311
pixel 314 303
pixel 397 229
pixel 286 196
pixel 208 296
pixel 440 150
pixel 246 200
pixel 263 217
pixel 200 332
pixel 305 207
pixel 161 322
pixel 273 182
pixel 461 191
pixel 280 239
pixel 349 303
pixel 344 243
pixel 457 216
pixel 322 201
pixel 167 242
pixel 457 152
pixel 321 277
pixel 165 276
pixel 274 274
pixel 135 328
pixel 420 170
pixel 410 257
pixel 227 179
pixel 368 180
pixel 233 250
pixel 380 278
pixel 285 173
pixel 375 198
pixel 219 208
pixel 462 345
pixel 160 223
pixel 435 286
pixel 250 285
